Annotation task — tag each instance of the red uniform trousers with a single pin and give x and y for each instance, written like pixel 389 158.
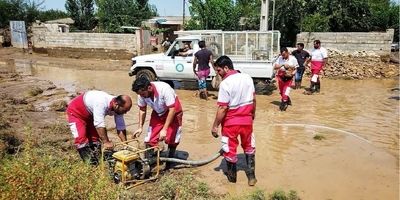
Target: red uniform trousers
pixel 230 140
pixel 316 67
pixel 284 87
pixel 81 123
pixel 173 132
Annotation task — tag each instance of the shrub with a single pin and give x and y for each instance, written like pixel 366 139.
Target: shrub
pixel 41 173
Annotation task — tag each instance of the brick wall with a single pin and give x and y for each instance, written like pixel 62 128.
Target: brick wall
pixel 85 40
pixel 349 42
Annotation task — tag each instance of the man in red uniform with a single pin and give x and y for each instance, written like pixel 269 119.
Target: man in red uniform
pixel 286 65
pixel 236 112
pixel 319 58
pixel 86 116
pixel 166 118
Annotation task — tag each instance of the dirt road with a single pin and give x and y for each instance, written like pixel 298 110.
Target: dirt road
pixel 357 159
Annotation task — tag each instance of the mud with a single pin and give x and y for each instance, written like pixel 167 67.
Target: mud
pixel 357 159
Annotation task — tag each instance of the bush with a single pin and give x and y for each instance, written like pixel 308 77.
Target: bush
pixel 41 173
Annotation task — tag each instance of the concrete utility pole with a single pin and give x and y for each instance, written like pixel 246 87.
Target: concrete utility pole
pixel 183 17
pixel 264 15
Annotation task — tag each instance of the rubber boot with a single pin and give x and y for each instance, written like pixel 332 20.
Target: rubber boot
pixel 296 85
pixel 231 172
pixel 251 168
pixel 283 106
pixel 90 154
pixel 289 101
pixel 317 87
pixel 171 154
pixel 312 89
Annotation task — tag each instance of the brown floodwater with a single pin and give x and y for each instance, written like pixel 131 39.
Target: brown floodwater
pixel 359 120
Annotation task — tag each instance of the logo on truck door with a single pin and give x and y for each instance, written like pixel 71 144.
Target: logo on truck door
pixel 179 67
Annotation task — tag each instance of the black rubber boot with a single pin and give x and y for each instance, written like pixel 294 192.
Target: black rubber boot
pixel 289 101
pixel 296 85
pixel 171 154
pixel 317 87
pixel 283 106
pixel 251 168
pixel 91 154
pixel 231 172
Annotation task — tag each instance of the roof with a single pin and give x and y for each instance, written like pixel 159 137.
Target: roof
pixel 168 20
pixel 61 21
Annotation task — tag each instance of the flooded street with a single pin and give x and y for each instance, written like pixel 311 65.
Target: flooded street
pixel 359 120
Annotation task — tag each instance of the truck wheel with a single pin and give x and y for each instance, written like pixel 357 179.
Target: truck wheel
pixel 146 73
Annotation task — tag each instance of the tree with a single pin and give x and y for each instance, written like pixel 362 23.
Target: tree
pixel 380 12
pixel 348 15
pixel 113 14
pixel 82 12
pixel 249 10
pixel 25 10
pixel 52 15
pixel 315 23
pixel 288 17
pixel 393 21
pixel 214 14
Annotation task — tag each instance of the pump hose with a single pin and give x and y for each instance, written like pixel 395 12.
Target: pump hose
pixel 192 162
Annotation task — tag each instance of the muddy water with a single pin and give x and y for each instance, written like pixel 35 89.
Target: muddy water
pixel 358 159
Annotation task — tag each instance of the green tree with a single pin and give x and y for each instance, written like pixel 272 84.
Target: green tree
pixel 348 15
pixel 113 14
pixel 25 10
pixel 315 23
pixel 52 15
pixel 249 10
pixel 288 15
pixel 214 14
pixel 393 21
pixel 82 12
pixel 380 12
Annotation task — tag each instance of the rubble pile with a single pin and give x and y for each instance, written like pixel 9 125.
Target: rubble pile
pixel 359 65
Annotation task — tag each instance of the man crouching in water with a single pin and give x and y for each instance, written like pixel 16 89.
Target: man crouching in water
pixel 236 113
pixel 166 118
pixel 286 65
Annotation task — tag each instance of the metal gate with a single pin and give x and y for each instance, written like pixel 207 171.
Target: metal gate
pixel 18 34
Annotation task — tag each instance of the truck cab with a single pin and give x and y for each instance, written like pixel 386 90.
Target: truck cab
pixel 251 53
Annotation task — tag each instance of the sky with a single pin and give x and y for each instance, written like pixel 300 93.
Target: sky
pixel 164 7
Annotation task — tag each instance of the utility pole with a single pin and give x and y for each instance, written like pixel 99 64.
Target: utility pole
pixel 264 15
pixel 273 14
pixel 183 17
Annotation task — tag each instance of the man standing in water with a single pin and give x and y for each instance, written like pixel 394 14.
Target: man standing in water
pixel 86 114
pixel 302 57
pixel 166 118
pixel 319 57
pixel 236 112
pixel 202 60
pixel 286 65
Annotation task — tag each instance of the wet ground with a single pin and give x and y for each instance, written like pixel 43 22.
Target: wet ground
pixel 359 120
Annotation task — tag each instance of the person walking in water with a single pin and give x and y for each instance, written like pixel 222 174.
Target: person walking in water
pixel 203 59
pixel 286 65
pixel 302 57
pixel 235 113
pixel 319 58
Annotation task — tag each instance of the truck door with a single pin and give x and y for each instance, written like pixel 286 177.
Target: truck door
pixel 180 64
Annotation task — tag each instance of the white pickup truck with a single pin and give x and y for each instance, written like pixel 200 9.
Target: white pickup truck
pixel 252 52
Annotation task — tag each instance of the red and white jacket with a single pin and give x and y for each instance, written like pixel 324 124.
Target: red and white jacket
pixel 237 92
pixel 164 98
